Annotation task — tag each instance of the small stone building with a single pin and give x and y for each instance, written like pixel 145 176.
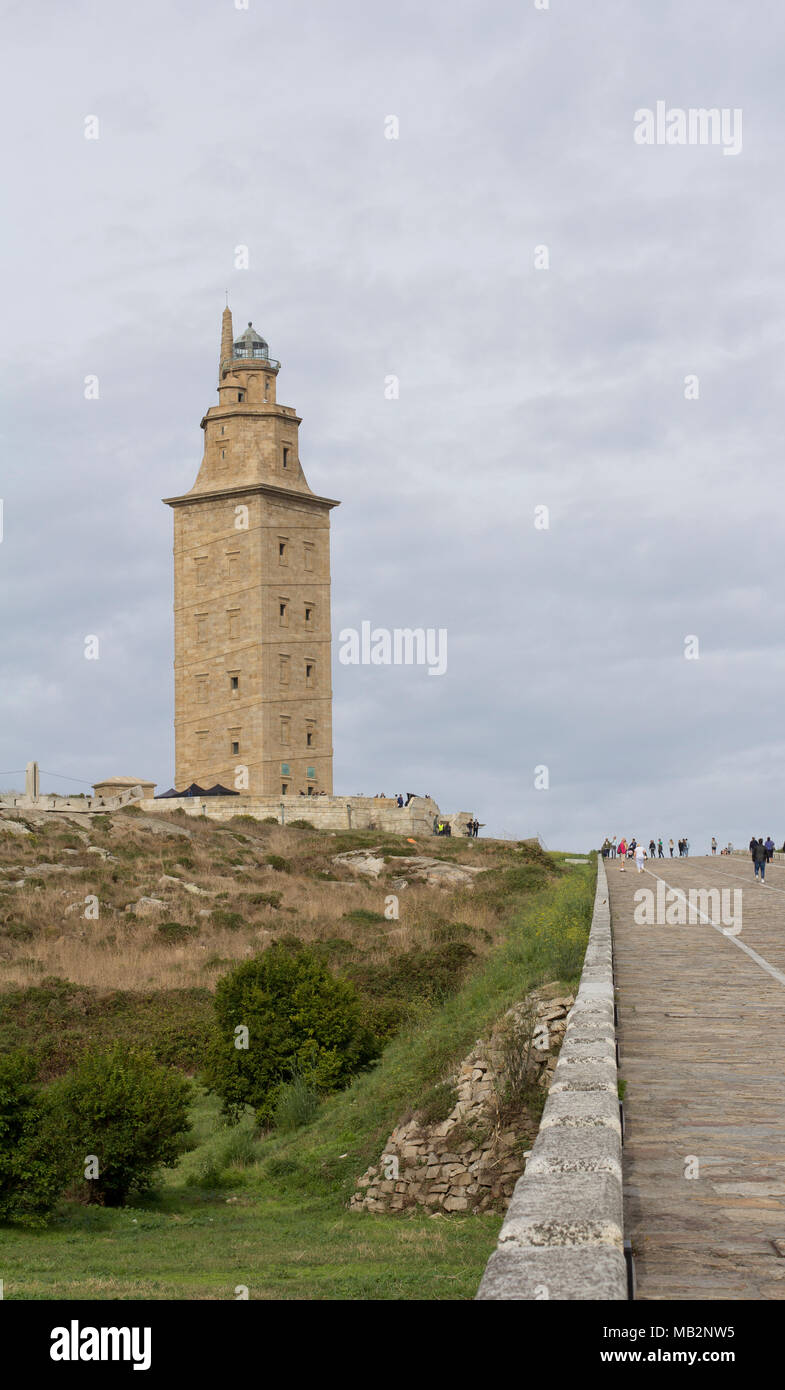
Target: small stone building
pixel 113 786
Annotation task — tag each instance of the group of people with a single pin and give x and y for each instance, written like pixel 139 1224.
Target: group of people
pixel 627 849
pixel 762 853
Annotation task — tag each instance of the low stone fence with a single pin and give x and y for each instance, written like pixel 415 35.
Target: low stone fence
pixel 323 812
pixel 86 805
pixel 562 1237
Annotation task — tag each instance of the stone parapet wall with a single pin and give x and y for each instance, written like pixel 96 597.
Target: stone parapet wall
pixel 562 1237
pixel 87 805
pixel 323 812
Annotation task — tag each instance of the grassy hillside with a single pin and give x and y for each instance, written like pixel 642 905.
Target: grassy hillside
pixel 243 1209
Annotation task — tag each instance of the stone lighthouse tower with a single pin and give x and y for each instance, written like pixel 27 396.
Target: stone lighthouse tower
pixel 253 689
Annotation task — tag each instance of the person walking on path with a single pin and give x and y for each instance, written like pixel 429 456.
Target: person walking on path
pixel 613 846
pixel 652 849
pixel 660 850
pixel 622 852
pixel 769 849
pixel 670 843
pixel 753 843
pixel 759 860
pixel 714 844
pixel 640 858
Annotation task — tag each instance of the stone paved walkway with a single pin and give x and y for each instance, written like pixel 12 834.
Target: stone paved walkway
pixel 702 1045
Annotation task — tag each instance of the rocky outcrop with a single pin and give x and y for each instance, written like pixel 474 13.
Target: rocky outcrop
pixel 471 1160
pixel 417 868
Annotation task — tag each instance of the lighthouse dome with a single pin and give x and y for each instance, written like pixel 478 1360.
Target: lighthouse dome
pixel 251 344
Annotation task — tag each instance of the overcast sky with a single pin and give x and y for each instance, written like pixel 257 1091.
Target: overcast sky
pixel 520 387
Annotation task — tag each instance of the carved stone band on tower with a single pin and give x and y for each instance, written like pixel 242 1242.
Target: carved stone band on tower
pixel 252 665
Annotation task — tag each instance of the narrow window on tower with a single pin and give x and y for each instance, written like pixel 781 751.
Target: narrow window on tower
pixel 283 558
pixel 201 569
pixel 309 613
pixel 233 622
pixel 285 456
pixel 201 689
pixel 284 788
pixel 283 608
pixel 235 746
pixel 223 453
pixel 308 556
pixel 310 735
pixel 234 682
pixel 284 673
pixel 285 726
pixel 232 563
pixel 266 388
pixel 201 627
pixel 240 397
pixel 310 669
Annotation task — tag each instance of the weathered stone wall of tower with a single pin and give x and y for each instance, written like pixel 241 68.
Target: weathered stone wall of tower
pixel 253 686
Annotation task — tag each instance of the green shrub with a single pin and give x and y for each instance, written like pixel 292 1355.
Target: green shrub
pixel 300 1020
pixel 431 974
pixel 239 1149
pixel 18 931
pixel 172 932
pixel 277 862
pixel 437 1103
pixel 265 899
pixel 296 1105
pixel 56 1022
pixel 300 825
pixel 361 915
pixel 230 921
pixel 460 931
pixel 33 1164
pixel 269 820
pixel 100 822
pixel 128 1111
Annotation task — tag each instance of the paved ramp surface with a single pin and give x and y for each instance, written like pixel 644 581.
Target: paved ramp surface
pixel 702 1045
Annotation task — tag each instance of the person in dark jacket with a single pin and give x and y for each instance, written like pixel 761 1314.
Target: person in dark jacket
pixel 759 860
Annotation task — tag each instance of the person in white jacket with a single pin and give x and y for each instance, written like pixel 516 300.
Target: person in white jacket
pixel 640 857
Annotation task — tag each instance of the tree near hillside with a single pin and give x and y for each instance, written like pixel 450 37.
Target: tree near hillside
pixel 122 1116
pixel 300 1021
pixel 33 1164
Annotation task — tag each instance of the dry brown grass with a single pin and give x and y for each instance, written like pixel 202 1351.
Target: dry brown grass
pixel 121 951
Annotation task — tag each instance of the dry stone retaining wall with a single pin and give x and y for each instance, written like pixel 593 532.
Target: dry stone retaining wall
pixel 471 1160
pixel 562 1237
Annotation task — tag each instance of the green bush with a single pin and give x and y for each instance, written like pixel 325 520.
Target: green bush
pixel 432 974
pixel 172 932
pixel 128 1111
pixel 460 931
pixel 276 861
pixel 230 921
pixel 437 1103
pixel 361 915
pixel 296 1105
pixel 33 1164
pixel 265 899
pixel 300 1020
pixel 56 1022
pixel 17 931
pixel 300 825
pixel 269 820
